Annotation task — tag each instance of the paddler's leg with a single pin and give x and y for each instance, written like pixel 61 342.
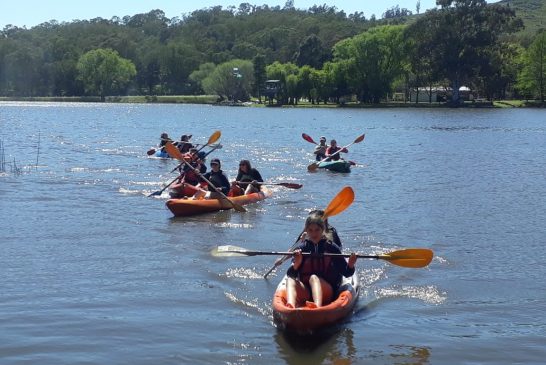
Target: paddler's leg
pixel 321 290
pixel 295 292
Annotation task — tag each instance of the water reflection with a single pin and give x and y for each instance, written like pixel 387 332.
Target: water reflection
pixel 334 346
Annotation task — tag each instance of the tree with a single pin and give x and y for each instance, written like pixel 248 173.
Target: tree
pixel 311 52
pixel 532 79
pixel 231 80
pixel 461 36
pixel 104 72
pixel 260 75
pixel 375 59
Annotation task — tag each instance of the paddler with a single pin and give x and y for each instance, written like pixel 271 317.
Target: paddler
pixel 247 179
pixel 329 231
pixel 316 277
pixel 184 145
pixel 331 151
pixel 163 141
pixel 220 181
pixel 320 149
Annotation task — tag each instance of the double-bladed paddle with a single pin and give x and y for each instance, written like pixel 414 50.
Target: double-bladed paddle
pixel 173 151
pixel 410 257
pixel 286 185
pixel 313 167
pixel 338 204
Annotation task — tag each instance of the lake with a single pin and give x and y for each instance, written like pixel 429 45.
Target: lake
pixel 95 272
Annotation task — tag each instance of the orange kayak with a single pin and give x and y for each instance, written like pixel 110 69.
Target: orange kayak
pixel 309 319
pixel 187 207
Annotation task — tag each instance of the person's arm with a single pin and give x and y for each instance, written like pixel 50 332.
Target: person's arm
pixel 346 268
pixel 257 176
pixel 225 184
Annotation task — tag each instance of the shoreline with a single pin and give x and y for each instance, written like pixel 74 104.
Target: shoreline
pixel 212 100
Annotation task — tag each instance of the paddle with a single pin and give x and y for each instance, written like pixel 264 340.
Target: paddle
pixel 286 185
pixel 308 138
pixel 153 150
pixel 411 257
pixel 315 165
pixel 338 204
pixel 159 192
pixel 213 138
pixel 173 151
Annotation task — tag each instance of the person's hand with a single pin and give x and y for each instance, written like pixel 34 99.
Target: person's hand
pixel 254 182
pixel 298 258
pixel 352 260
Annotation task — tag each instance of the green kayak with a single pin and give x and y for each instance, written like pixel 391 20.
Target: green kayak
pixel 336 166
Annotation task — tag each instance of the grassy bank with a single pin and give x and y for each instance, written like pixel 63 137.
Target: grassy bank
pixel 213 100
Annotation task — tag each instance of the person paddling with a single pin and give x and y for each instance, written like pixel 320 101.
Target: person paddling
pixel 163 141
pixel 329 231
pixel 247 179
pixel 316 277
pixel 220 181
pixel 320 149
pixel 331 151
pixel 184 146
pixel 188 175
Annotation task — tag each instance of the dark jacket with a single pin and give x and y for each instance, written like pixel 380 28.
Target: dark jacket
pixel 250 176
pixel 328 268
pixel 219 180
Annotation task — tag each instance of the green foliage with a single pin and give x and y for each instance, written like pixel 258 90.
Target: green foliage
pixel 103 72
pixel 232 80
pixel 532 79
pixel 374 59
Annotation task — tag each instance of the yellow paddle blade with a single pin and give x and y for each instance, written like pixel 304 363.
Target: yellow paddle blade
pixel 340 202
pixel 214 137
pixel 411 257
pixel 173 151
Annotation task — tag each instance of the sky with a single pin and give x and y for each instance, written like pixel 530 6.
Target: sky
pixel 33 12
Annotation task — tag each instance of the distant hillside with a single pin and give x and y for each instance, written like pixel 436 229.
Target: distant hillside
pixel 532 12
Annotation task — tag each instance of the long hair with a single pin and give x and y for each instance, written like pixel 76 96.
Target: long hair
pixel 246 163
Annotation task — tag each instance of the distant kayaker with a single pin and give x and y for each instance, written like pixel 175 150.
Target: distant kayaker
pixel 163 141
pixel 317 274
pixel 320 149
pixel 184 145
pixel 247 178
pixel 331 151
pixel 217 177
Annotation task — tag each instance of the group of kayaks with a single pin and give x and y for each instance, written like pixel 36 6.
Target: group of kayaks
pixel 304 319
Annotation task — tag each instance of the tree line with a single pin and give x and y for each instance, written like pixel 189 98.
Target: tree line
pixel 320 54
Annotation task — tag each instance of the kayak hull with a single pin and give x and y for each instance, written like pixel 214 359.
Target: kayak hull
pixel 305 320
pixel 189 207
pixel 336 166
pixel 161 154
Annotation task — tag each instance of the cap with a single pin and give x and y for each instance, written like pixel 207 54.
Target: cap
pixel 215 160
pixel 323 138
pixel 201 155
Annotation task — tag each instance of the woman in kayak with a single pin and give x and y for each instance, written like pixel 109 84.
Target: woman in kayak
pixel 329 231
pixel 247 178
pixel 184 146
pixel 220 181
pixel 316 277
pixel 331 152
pixel 320 149
pixel 163 141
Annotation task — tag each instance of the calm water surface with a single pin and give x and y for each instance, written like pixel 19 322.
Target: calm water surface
pixel 95 272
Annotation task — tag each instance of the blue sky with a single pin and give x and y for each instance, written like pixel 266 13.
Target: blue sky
pixel 33 12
